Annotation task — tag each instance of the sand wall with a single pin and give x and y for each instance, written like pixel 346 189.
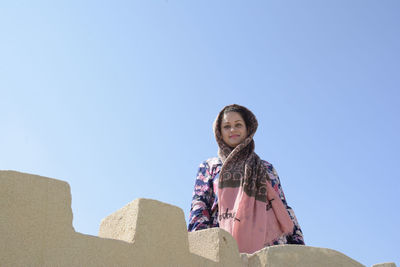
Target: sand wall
pixel 36 230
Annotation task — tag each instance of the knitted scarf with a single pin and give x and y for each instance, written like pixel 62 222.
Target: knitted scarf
pixel 248 207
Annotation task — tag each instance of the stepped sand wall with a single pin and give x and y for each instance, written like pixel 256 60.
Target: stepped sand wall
pixel 36 230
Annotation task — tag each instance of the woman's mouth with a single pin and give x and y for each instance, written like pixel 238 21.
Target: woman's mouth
pixel 234 136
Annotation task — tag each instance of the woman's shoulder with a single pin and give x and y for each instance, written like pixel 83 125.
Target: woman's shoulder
pixel 212 162
pixel 270 167
pixel 211 166
pixel 267 164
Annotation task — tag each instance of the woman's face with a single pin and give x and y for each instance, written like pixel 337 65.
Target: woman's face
pixel 233 129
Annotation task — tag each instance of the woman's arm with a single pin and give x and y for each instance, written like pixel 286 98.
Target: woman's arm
pixel 297 236
pixel 200 212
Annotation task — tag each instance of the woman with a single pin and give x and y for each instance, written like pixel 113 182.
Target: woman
pixel 239 192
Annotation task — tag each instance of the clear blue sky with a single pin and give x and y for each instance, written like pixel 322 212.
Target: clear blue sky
pixel 118 98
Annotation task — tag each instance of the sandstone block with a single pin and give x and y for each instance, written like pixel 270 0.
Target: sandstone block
pixel 154 228
pixel 34 211
pixel 215 244
pixel 386 264
pixel 300 256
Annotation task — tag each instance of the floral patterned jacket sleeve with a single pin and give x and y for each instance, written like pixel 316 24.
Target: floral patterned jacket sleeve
pixel 297 236
pixel 204 209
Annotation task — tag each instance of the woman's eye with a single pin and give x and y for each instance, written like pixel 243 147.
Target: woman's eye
pixel 227 127
pixel 238 125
